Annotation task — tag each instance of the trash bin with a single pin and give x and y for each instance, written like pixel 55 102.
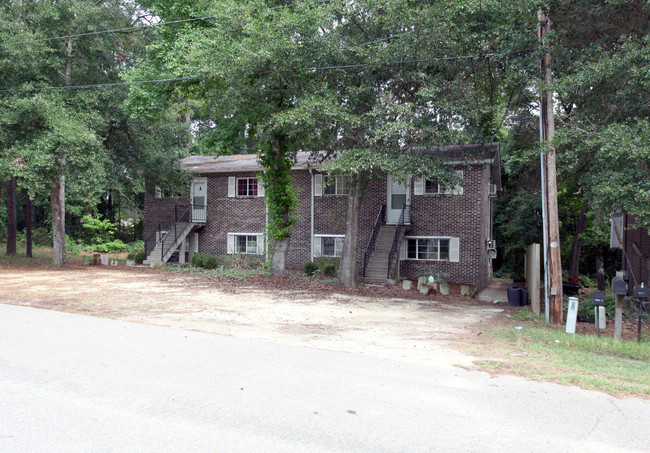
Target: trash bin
pixel 514 296
pixel 524 296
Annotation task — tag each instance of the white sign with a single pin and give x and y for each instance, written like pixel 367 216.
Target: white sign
pixel 572 315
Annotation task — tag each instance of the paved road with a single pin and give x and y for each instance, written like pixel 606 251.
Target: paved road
pixel 75 383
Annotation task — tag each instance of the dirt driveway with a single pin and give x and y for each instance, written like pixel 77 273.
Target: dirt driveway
pixel 379 321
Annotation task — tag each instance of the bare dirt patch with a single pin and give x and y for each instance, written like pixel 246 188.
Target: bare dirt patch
pixel 383 320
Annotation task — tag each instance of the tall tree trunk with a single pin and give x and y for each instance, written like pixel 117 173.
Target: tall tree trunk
pixel 279 256
pixel 574 264
pixel 348 269
pixel 280 246
pixel 29 224
pixel 57 190
pixel 600 267
pixel 11 216
pixel 57 202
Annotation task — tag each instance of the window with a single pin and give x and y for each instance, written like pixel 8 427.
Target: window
pixel 329 246
pixel 428 249
pixel 431 186
pixel 334 185
pixel 245 244
pixel 247 187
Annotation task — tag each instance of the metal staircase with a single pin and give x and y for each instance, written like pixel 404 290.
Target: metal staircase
pixel 382 253
pixel 172 232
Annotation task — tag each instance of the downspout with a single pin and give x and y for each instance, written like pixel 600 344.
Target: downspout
pixel 311 232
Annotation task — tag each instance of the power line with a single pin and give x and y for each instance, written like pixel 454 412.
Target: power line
pixel 115 30
pixel 98 85
pixel 309 69
pixel 135 27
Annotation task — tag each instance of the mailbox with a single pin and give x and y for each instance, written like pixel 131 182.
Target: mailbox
pixel 619 286
pixel 641 291
pixel 598 298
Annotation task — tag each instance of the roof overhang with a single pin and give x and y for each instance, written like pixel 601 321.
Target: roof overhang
pixel 473 154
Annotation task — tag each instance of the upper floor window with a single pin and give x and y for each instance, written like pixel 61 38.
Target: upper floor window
pixel 431 186
pixel 424 186
pixel 247 187
pixel 334 185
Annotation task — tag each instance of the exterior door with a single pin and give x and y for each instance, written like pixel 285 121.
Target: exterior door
pixel 399 194
pixel 199 199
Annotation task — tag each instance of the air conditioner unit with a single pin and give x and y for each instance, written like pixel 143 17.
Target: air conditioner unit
pixel 493 190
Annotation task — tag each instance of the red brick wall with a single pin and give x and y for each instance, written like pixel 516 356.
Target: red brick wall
pixel 229 214
pixel 464 216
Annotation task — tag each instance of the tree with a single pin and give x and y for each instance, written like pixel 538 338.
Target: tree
pixel 368 82
pixel 50 135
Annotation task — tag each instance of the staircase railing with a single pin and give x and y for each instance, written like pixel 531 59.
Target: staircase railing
pixel 381 221
pixel 168 232
pixel 405 214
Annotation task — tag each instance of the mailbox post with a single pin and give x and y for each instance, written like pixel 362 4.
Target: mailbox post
pixel 598 299
pixel 619 288
pixel 641 293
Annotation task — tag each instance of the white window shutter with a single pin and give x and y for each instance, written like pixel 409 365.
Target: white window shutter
pixel 158 192
pixel 260 244
pixel 260 187
pixel 454 250
pixel 418 187
pixel 318 185
pixel 231 186
pixel 231 244
pixel 402 250
pixel 317 246
pixel 196 242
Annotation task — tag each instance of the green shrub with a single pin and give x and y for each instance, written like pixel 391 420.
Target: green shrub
pixel 310 268
pixel 210 262
pixel 137 256
pixel 205 261
pixel 329 269
pixel 71 246
pixel 41 236
pixel 115 246
pixel 135 246
pixel 97 231
pixel 198 259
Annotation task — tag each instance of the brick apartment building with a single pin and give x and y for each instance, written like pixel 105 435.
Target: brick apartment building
pixel 224 213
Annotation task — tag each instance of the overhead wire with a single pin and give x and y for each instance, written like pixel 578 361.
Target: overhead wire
pixel 114 30
pixel 308 69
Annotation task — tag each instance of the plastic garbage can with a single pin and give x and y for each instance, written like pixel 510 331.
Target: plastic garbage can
pixel 514 296
pixel 524 296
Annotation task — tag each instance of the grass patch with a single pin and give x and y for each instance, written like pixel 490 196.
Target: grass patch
pixel 540 351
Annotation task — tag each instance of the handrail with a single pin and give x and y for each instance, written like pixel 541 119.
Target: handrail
pixel 381 220
pixel 168 231
pixel 406 211
pixel 164 225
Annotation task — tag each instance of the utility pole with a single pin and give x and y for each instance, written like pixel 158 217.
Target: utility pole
pixel 553 274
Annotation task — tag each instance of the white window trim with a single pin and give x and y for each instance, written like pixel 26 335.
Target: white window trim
pixel 318 238
pixel 454 248
pixel 320 185
pixel 233 185
pixel 231 246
